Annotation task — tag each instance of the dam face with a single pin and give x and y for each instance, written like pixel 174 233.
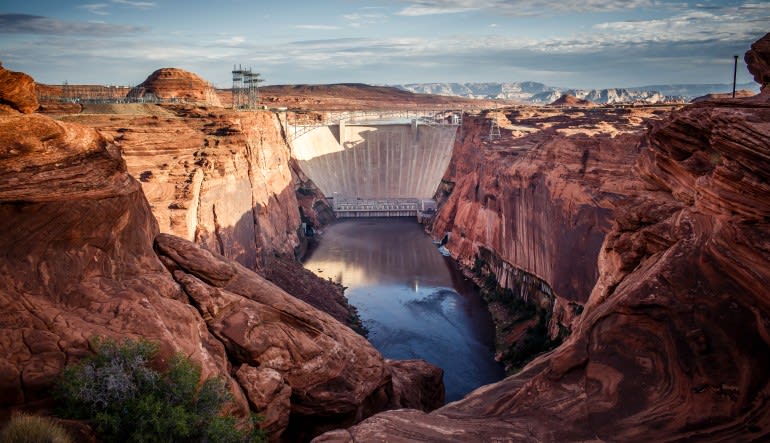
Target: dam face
pixel 376 169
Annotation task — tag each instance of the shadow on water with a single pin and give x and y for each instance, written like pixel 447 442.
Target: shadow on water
pixel 412 300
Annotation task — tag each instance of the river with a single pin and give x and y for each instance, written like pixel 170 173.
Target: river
pixel 413 301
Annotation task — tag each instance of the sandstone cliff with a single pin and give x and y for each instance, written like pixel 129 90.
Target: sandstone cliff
pixel 673 344
pixel 224 180
pixel 177 84
pixel 530 210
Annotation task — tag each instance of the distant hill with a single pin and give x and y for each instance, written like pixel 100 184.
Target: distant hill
pixel 741 93
pixel 539 93
pixel 571 100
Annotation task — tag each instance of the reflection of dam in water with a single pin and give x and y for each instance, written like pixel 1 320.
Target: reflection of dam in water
pixel 376 164
pixel 414 303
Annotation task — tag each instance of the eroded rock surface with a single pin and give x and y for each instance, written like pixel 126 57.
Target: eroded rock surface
pixel 76 241
pixel 17 92
pixel 335 376
pixel 758 61
pixel 175 83
pixel 530 210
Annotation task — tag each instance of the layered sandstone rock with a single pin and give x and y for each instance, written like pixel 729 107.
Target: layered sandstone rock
pixel 76 238
pixel 330 371
pixel 215 177
pixel 539 199
pixel 17 92
pixel 224 180
pixel 758 61
pixel 673 344
pixel 177 84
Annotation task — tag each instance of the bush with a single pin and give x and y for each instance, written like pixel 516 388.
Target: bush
pixel 25 428
pixel 127 401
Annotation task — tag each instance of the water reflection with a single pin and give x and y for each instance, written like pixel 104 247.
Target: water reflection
pixel 411 299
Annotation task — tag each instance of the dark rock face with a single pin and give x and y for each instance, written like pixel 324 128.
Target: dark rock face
pixel 17 92
pixel 758 61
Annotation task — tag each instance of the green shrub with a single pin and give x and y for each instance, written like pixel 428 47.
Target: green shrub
pixel 25 428
pixel 127 401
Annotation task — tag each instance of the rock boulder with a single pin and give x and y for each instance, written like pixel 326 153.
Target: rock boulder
pixel 17 92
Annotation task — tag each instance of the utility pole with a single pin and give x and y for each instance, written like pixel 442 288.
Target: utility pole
pixel 735 72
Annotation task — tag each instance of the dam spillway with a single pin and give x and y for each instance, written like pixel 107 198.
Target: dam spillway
pixel 376 168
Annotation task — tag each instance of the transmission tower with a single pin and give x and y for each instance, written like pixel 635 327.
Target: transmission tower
pixel 245 88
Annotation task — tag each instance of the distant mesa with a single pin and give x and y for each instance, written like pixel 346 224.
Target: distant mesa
pixel 758 61
pixel 571 100
pixel 176 84
pixel 17 92
pixel 741 93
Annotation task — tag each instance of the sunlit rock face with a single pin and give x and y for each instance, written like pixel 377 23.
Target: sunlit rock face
pixel 673 343
pixel 216 177
pixel 176 84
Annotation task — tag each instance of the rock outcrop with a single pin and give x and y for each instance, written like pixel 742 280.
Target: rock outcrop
pixel 571 100
pixel 177 84
pixel 76 238
pixel 335 377
pixel 673 344
pixel 17 92
pixel 758 61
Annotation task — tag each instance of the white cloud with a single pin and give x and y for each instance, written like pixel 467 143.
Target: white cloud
pixel 358 19
pixel 136 4
pixel 521 7
pixel 234 41
pixel 95 8
pixel 317 27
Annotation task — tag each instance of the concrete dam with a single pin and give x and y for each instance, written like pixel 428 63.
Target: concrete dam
pixel 377 168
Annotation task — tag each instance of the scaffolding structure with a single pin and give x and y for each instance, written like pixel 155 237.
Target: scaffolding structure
pixel 245 88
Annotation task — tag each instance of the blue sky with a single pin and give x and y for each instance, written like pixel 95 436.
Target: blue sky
pixel 569 43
